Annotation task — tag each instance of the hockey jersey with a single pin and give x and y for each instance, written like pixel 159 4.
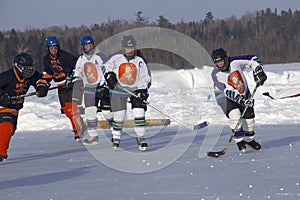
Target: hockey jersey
pixel 13 85
pixel 232 83
pixel 132 73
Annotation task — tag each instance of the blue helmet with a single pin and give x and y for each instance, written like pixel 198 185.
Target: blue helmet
pixel 51 41
pixel 86 40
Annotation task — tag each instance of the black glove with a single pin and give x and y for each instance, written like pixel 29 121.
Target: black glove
pixel 142 93
pixel 259 75
pixel 69 83
pixel 102 92
pixel 111 79
pixel 42 88
pixel 245 102
pixel 4 98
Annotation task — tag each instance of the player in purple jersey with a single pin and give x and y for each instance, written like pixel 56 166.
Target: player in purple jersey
pixel 232 93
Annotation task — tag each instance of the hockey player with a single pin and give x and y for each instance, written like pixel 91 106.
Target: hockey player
pixel 57 65
pixel 15 82
pixel 128 71
pixel 232 93
pixel 89 69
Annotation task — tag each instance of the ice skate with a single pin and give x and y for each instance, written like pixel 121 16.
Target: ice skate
pixel 91 140
pixel 142 144
pixel 241 146
pixel 255 145
pixel 116 143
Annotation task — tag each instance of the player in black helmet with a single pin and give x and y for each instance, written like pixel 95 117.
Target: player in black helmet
pixel 15 82
pixel 232 92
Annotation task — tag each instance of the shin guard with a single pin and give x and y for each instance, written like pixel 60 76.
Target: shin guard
pixel 72 111
pixel 7 131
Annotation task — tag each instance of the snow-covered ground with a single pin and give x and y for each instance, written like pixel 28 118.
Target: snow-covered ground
pixel 45 162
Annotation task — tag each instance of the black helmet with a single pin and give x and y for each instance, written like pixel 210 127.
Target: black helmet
pixel 218 55
pixel 24 63
pixel 129 41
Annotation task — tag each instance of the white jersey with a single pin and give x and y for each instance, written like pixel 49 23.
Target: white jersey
pixel 90 70
pixel 132 74
pixel 233 82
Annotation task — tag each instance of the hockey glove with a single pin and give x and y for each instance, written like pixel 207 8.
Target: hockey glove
pixel 245 102
pixel 42 88
pixel 111 79
pixel 102 93
pixel 69 83
pixel 142 93
pixel 5 99
pixel 259 75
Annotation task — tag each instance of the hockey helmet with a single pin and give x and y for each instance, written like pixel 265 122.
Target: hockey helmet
pixel 220 55
pixel 128 41
pixel 51 41
pixel 24 64
pixel 84 40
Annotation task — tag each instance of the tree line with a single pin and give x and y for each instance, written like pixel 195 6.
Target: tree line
pixel 271 35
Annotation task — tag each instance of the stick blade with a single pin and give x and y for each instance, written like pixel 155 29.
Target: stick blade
pixel 215 154
pixel 201 125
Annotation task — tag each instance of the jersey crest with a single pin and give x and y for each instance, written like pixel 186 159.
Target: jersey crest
pixel 90 72
pixel 58 73
pixel 127 73
pixel 236 81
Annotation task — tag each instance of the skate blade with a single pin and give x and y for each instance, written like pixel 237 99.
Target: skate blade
pixel 115 148
pixel 242 151
pixel 92 141
pixel 78 140
pixel 142 148
pixel 89 143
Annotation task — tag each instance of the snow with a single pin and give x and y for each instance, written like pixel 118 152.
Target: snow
pixel 46 163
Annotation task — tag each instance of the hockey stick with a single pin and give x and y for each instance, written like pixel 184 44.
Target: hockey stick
pixel 30 94
pixel 216 154
pixel 290 96
pixel 195 127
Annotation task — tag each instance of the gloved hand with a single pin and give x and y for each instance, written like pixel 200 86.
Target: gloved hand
pixel 111 80
pixel 42 88
pixel 4 98
pixel 102 92
pixel 69 83
pixel 245 102
pixel 142 93
pixel 259 75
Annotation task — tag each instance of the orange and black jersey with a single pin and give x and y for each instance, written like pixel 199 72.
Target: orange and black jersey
pixel 56 69
pixel 13 85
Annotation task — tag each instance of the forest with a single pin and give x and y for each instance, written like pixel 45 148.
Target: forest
pixel 271 35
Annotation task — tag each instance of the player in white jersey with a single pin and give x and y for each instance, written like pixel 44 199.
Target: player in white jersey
pixel 89 70
pixel 232 92
pixel 128 71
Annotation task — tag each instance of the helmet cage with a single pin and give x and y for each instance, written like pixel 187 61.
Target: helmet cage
pixel 26 71
pixel 220 55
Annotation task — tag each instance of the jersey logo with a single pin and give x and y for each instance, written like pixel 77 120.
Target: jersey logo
pixel 236 81
pixel 58 73
pixel 90 72
pixel 127 73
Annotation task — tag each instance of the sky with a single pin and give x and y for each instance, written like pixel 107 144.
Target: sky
pixel 46 163
pixel 42 14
